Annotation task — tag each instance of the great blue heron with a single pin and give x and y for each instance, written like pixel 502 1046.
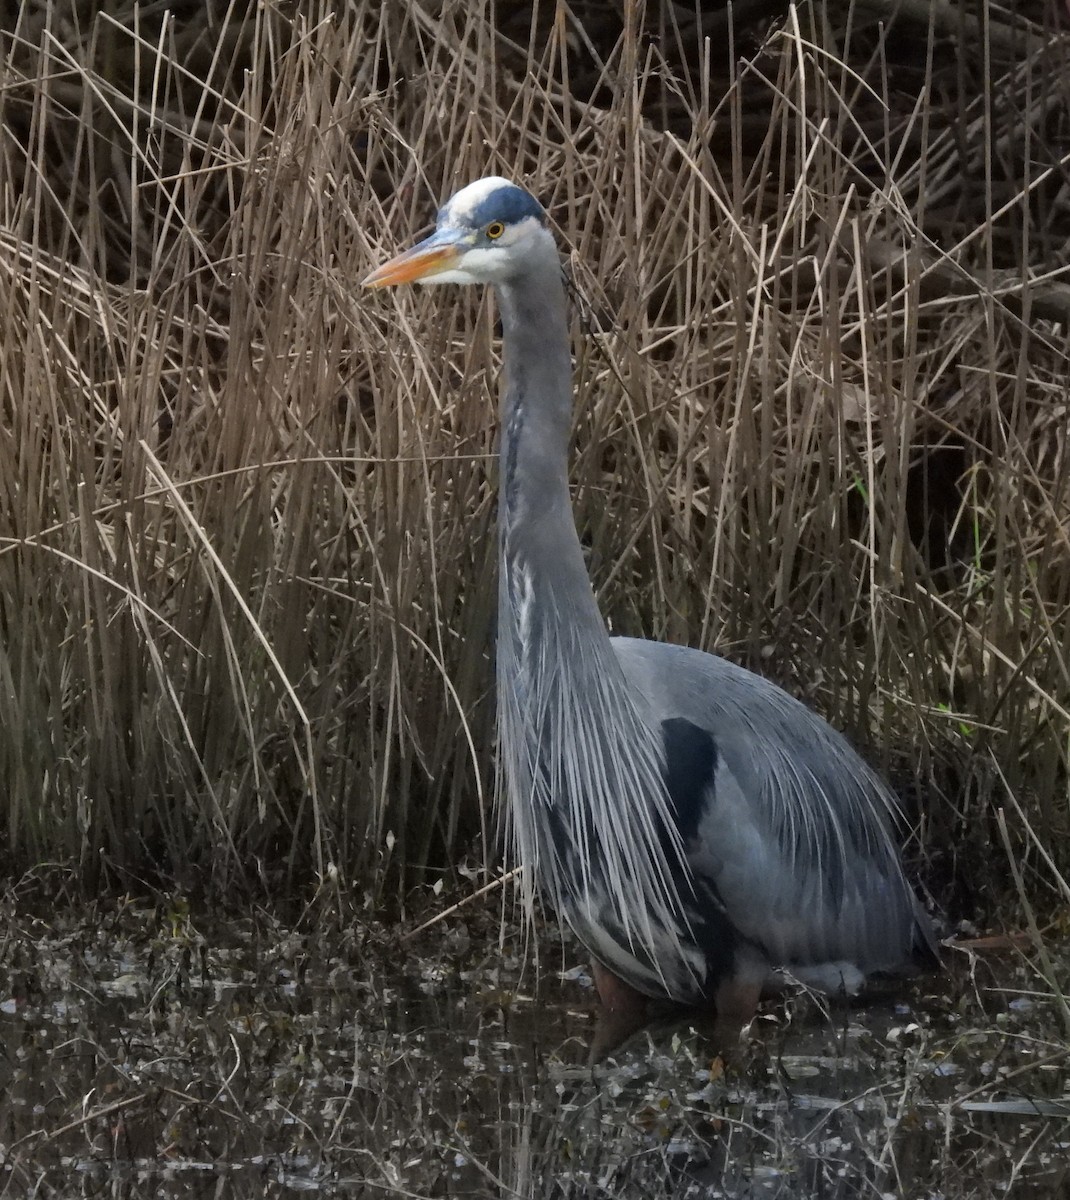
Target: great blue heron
pixel 702 832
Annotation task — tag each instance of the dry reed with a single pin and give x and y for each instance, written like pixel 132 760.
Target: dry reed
pixel 246 514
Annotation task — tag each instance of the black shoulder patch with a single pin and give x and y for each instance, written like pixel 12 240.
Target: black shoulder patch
pixel 690 763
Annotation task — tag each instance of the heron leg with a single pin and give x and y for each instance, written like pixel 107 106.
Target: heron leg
pixel 736 1002
pixel 618 998
pixel 624 1010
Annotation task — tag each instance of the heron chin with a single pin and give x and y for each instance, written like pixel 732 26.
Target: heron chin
pixel 703 833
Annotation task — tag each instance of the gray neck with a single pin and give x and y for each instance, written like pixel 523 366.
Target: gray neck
pixel 589 812
pixel 537 527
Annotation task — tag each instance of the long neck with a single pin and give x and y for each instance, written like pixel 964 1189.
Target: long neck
pixel 537 529
pixel 583 764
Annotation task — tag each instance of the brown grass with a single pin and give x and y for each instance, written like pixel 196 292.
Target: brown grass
pixel 246 513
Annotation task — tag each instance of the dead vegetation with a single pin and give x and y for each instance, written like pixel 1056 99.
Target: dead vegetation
pixel 151 1054
pixel 246 514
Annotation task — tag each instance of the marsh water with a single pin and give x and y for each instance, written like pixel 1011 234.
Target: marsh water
pixel 148 1053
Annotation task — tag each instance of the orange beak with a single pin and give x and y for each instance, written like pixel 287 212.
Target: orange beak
pixel 435 254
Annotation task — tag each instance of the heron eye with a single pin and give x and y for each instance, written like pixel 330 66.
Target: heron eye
pixel 495 230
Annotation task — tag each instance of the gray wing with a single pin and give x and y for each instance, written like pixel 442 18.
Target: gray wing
pixel 787 830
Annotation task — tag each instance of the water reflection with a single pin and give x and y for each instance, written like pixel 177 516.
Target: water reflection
pixel 148 1057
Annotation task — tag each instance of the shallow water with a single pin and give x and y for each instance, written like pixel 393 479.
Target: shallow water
pixel 145 1054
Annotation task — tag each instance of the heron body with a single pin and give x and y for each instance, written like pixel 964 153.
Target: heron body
pixel 702 832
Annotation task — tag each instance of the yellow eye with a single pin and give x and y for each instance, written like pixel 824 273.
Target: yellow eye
pixel 494 230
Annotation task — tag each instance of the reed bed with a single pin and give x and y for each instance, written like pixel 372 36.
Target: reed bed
pixel 247 577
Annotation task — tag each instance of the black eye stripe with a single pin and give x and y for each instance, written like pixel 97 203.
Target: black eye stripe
pixel 507 204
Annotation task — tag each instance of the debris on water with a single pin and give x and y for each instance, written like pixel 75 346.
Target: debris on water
pixel 151 1047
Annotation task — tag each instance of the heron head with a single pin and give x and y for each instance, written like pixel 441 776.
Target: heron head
pixel 485 233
